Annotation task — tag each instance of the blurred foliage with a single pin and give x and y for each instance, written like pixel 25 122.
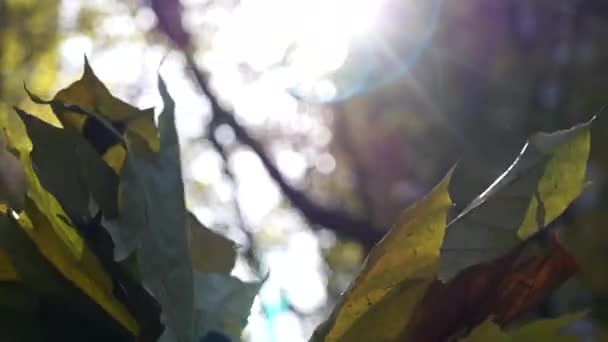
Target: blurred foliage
pixel 495 72
pixel 28 50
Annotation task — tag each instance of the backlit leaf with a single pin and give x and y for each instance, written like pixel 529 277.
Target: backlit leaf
pixel 59 306
pixel 400 266
pixel 210 252
pixel 87 106
pixel 47 226
pixel 541 183
pixel 69 167
pixel 152 222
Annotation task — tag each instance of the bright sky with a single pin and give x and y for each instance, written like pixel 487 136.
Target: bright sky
pixel 259 34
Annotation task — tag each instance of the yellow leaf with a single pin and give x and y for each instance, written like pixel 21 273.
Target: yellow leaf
pixel 7 270
pixel 563 178
pixel 210 251
pixel 540 184
pixel 69 168
pixel 399 267
pixel 44 290
pixel 47 226
pixel 96 108
pixel 13 185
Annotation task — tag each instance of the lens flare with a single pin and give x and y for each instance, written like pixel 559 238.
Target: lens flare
pixel 358 46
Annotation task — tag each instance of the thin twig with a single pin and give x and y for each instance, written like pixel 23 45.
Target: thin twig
pixel 339 221
pixel 221 150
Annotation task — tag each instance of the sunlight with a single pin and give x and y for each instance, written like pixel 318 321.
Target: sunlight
pixel 303 40
pixel 324 31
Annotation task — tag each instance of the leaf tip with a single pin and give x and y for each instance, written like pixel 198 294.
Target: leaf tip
pixel 35 98
pixel 164 93
pixel 88 70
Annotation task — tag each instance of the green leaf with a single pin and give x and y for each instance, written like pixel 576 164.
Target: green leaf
pixel 379 302
pixel 541 183
pixel 210 252
pixel 46 224
pixel 70 169
pixel 61 299
pixel 13 184
pixel 222 304
pixel 538 330
pixel 586 237
pixel 152 222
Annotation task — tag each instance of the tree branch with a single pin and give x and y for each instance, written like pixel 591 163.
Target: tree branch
pixel 249 250
pixel 339 221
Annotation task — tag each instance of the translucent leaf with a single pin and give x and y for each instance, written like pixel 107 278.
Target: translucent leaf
pixel 210 251
pixel 88 106
pixel 541 183
pixel 395 275
pixel 66 307
pixel 152 222
pixel 503 289
pixel 47 226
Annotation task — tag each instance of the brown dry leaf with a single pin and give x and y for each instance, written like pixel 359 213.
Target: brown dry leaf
pixel 210 252
pixel 503 289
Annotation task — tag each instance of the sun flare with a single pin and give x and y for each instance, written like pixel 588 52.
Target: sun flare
pixel 325 30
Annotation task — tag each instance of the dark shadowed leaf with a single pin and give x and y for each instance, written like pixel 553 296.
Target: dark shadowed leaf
pixel 536 331
pixel 127 287
pixel 62 309
pixel 222 304
pixel 210 252
pixel 152 222
pixel 46 224
pixel 70 169
pixel 587 239
pixel 13 184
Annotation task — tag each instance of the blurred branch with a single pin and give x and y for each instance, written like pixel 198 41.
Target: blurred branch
pixel 168 13
pixel 345 140
pixel 249 251
pixel 341 222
